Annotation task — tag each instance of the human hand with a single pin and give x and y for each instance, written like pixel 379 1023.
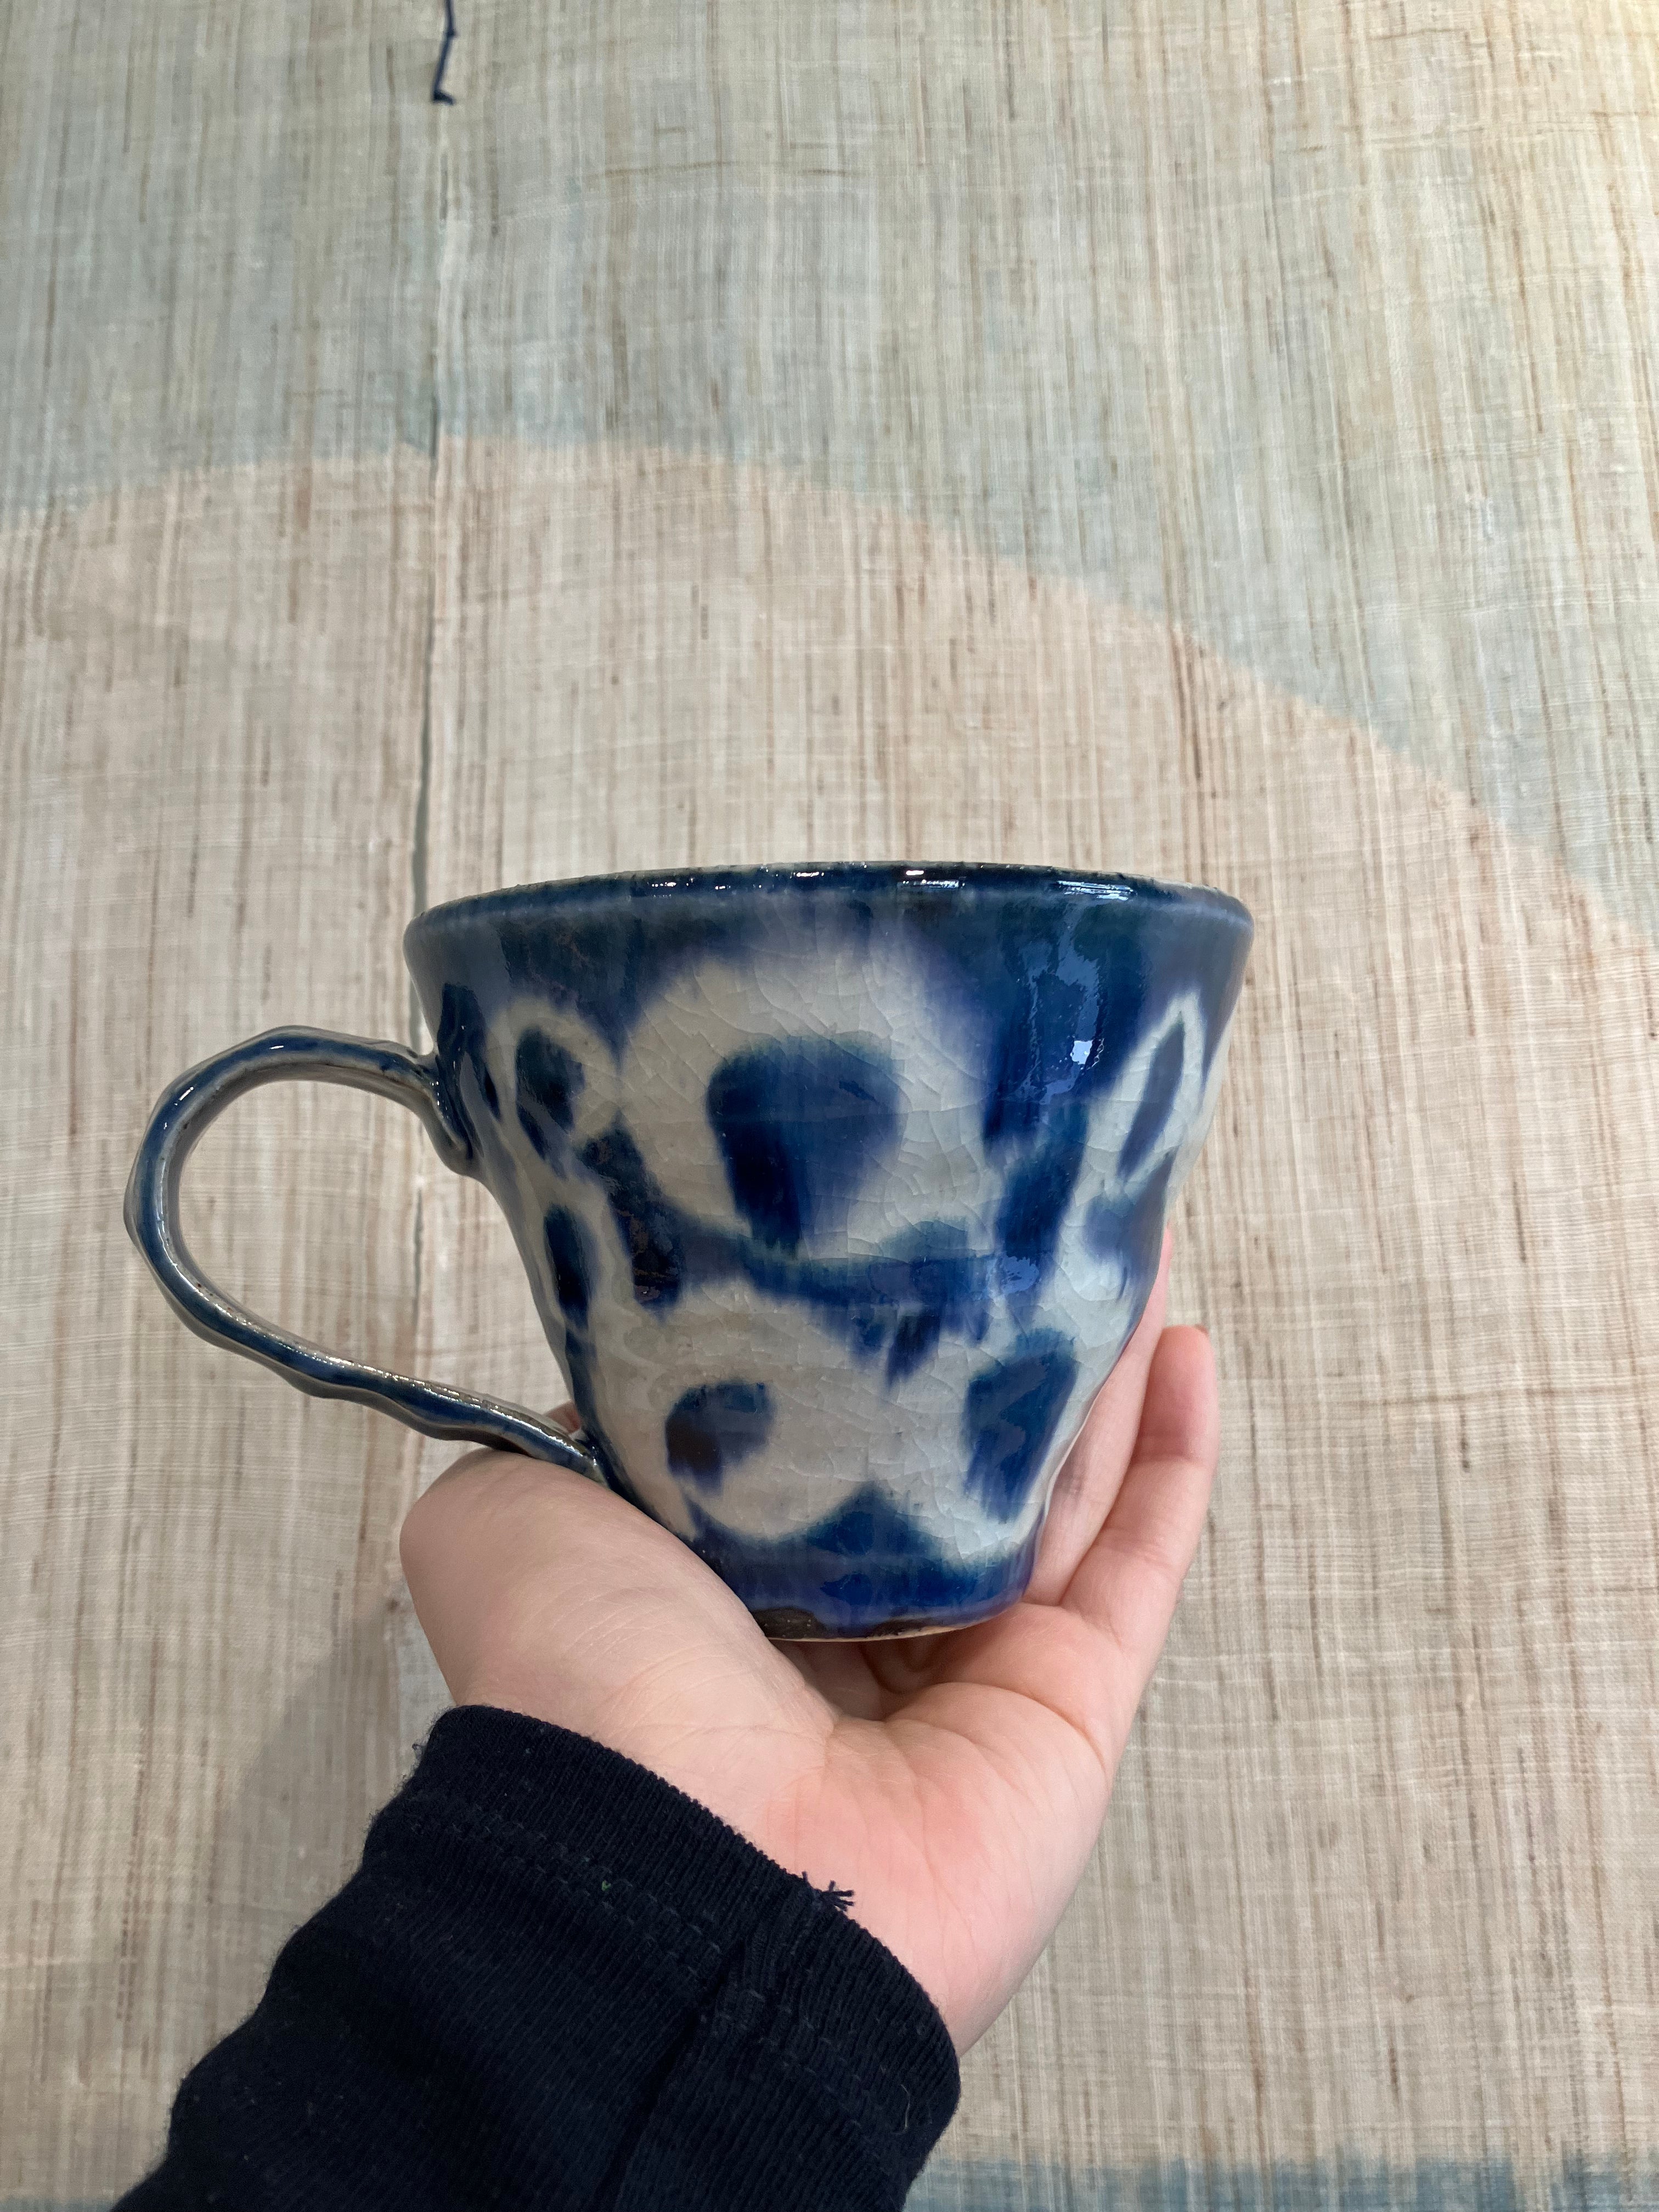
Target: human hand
pixel 956 1783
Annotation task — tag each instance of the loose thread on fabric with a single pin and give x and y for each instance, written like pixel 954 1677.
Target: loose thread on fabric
pixel 441 98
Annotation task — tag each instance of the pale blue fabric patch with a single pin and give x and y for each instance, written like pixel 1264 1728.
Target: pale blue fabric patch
pixel 770 312
pixel 1336 2185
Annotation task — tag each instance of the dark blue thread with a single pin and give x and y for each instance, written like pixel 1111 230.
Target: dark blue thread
pixel 440 98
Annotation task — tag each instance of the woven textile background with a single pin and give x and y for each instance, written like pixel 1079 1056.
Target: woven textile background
pixel 1213 438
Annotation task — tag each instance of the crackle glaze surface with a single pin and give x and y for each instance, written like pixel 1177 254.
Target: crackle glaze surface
pixel 841 1191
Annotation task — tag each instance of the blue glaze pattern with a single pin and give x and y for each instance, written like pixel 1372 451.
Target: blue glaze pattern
pixel 859 1177
pixel 714 1426
pixel 839 1189
pixel 1009 1419
pixel 866 1563
pixel 546 1080
pixel 801 1122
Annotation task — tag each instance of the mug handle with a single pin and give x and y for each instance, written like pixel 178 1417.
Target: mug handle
pixel 152 1218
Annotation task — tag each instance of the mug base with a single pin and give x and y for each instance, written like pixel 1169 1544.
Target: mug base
pixel 791 1624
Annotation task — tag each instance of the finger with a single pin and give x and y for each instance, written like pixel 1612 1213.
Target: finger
pixel 489 1519
pixel 540 1592
pixel 496 1517
pixel 1089 1479
pixel 563 1417
pixel 1128 1583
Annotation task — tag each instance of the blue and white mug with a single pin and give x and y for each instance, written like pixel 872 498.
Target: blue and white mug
pixel 839 1189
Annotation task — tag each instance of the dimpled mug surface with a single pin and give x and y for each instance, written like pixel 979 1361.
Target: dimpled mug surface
pixel 839 1190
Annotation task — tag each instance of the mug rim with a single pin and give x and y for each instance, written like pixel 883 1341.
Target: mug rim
pixel 941 875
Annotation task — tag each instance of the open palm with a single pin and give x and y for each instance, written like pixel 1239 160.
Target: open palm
pixel 955 1784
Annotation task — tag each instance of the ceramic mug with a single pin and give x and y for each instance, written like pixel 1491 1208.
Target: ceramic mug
pixel 839 1190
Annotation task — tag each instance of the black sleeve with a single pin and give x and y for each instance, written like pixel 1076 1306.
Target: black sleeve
pixel 555 1981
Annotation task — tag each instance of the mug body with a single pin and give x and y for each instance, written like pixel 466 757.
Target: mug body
pixel 839 1190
